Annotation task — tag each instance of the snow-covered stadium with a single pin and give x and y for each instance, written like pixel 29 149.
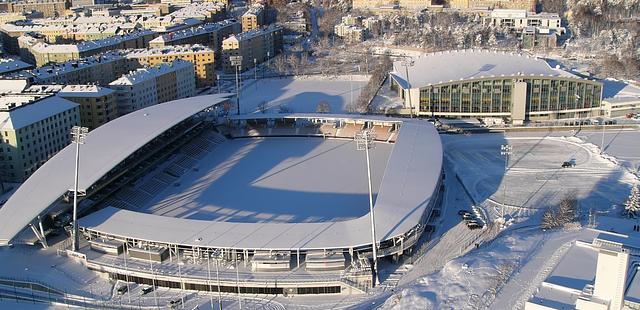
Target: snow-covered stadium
pixel 280 200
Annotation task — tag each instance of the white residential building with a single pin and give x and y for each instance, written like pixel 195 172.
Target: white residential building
pixel 149 86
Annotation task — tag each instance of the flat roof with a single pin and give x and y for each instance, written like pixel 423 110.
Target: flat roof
pixel 450 66
pixel 409 180
pixel 105 147
pixel 27 112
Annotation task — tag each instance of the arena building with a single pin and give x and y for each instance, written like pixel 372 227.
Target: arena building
pixel 280 201
pixel 471 83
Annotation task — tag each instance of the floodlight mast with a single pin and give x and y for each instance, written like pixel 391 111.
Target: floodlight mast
pixel 78 136
pixel 505 150
pixel 364 141
pixel 408 62
pixel 236 61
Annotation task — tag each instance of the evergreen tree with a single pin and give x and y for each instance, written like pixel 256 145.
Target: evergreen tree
pixel 632 205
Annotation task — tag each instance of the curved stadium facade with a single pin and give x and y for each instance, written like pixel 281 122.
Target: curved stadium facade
pixel 280 201
pixel 473 83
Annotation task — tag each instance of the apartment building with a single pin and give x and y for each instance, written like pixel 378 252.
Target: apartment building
pixel 34 128
pixel 253 18
pixel 104 68
pixel 210 34
pixel 258 44
pixel 520 19
pixel 202 57
pixel 97 104
pixel 527 5
pixel 149 86
pixel 34 51
pixel 350 33
pixel 99 69
pixel 48 8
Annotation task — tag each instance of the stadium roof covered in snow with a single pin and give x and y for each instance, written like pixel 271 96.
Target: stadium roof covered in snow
pixel 105 147
pixel 449 66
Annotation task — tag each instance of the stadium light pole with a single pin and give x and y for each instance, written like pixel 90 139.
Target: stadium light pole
pixel 505 150
pixel 236 61
pixel 364 141
pixel 209 278
pixel 408 62
pixel 181 263
pixel 218 278
pixel 78 135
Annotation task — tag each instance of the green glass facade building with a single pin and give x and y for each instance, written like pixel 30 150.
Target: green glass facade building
pixel 553 94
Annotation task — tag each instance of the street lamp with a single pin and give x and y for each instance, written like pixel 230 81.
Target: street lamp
pixel 78 136
pixel 236 61
pixel 364 141
pixel 505 150
pixel 408 62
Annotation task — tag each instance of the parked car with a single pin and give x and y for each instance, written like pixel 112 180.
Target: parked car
pixel 146 290
pixel 174 303
pixel 474 226
pixel 123 288
pixel 567 164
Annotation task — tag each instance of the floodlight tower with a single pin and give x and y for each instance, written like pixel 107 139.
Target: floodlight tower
pixel 78 136
pixel 408 62
pixel 236 61
pixel 364 141
pixel 505 150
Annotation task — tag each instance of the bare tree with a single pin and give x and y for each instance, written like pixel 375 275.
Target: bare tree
pixel 562 214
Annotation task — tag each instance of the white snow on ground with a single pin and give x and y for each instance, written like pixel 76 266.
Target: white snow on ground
pixel 267 175
pixel 534 181
pixel 300 95
pixel 32 263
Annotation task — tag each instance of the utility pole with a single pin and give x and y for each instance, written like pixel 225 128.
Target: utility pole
pixel 364 141
pixel 78 135
pixel 236 61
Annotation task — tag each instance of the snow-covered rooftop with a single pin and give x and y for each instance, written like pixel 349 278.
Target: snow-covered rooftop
pixel 23 110
pixel 450 66
pixel 11 65
pixel 146 74
pixel 84 91
pixel 190 32
pixel 254 33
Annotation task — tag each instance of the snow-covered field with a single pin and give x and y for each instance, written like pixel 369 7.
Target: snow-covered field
pixel 504 273
pixel 281 180
pixel 300 95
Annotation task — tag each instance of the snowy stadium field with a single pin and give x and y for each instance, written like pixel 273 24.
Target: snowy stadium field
pixel 279 180
pixel 535 178
pixel 300 95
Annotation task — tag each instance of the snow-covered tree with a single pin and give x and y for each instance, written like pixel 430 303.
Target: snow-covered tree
pixel 632 205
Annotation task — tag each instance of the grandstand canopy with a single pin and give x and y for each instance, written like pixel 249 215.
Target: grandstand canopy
pixel 105 147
